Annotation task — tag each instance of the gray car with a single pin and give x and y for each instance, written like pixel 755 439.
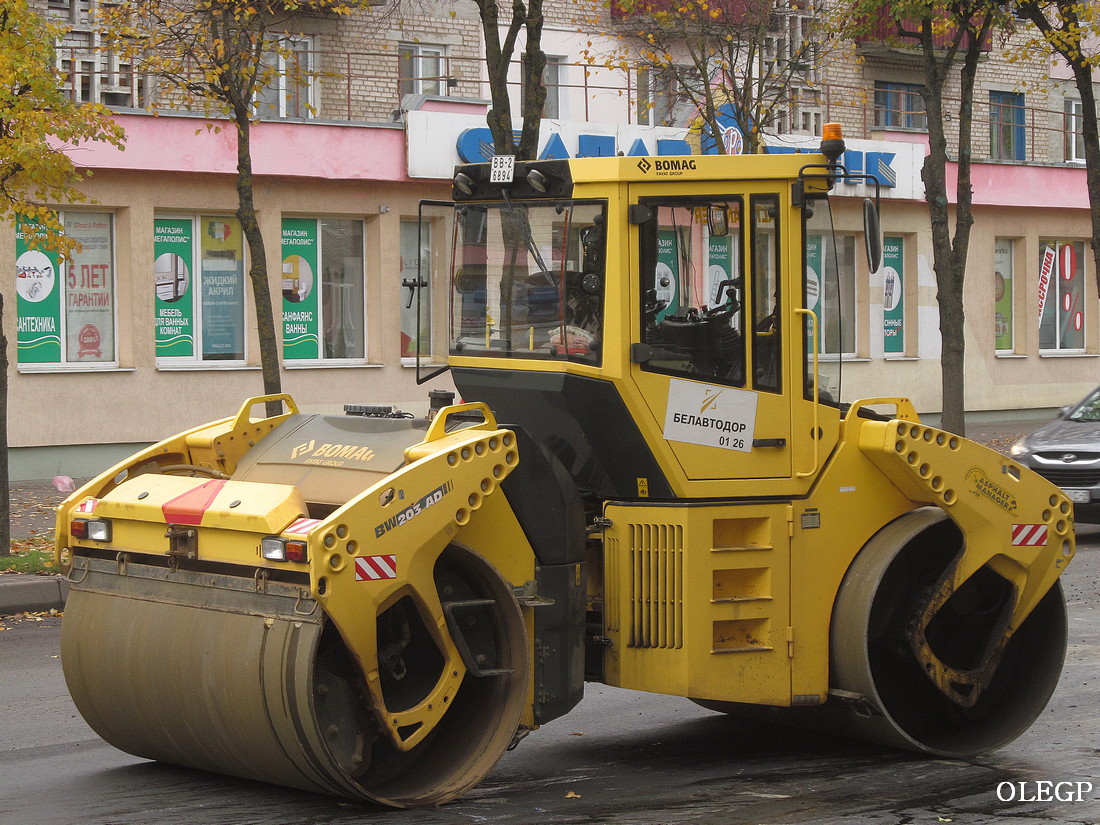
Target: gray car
pixel 1067 452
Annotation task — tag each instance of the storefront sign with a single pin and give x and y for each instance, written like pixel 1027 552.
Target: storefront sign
pixel 38 300
pixel 301 326
pixel 173 252
pixel 893 295
pixel 1046 269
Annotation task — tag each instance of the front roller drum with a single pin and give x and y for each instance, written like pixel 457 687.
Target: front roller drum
pixel 203 671
pixel 877 674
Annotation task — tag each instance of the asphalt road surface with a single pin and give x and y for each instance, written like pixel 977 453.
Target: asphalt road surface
pixel 620 757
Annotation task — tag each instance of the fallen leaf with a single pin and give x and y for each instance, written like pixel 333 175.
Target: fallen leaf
pixel 572 795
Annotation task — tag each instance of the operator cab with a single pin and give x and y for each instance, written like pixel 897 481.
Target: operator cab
pixel 661 321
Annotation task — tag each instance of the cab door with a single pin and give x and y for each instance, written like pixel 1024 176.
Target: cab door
pixel 707 353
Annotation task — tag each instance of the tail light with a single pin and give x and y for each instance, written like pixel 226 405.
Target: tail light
pixel 276 548
pixel 90 529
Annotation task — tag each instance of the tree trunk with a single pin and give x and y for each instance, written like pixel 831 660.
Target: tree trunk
pixel 1082 75
pixel 5 492
pixel 257 269
pixel 950 252
pixel 534 98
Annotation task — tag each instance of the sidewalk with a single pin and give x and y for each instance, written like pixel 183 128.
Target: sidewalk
pixel 33 503
pixel 33 513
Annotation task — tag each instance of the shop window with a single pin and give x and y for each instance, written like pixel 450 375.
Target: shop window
pixel 198 275
pixel 1062 295
pixel 1007 140
pixel 1003 275
pixel 893 295
pixel 65 311
pixel 899 106
pixel 323 290
pixel 1074 138
pixel 422 69
pixel 416 288
pixel 288 90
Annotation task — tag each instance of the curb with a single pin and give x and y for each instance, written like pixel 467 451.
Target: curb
pixel 21 593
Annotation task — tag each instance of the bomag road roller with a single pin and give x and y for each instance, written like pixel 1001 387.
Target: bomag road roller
pixel 651 480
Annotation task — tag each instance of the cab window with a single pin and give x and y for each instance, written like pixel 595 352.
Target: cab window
pixel 692 288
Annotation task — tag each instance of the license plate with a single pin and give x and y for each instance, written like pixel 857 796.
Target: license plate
pixel 1078 496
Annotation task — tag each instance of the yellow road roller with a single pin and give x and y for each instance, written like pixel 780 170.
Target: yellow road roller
pixel 652 481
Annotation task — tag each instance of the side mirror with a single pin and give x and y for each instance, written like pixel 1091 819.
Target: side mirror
pixel 872 235
pixel 718 221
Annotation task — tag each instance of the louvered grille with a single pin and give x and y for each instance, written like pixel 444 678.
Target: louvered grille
pixel 1068 477
pixel 656 581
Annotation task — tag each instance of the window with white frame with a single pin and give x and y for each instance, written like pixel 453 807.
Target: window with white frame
pixel 288 75
pixel 324 302
pixel 65 311
pixel 551 80
pixel 1074 140
pixel 662 99
pixel 199 284
pixel 422 69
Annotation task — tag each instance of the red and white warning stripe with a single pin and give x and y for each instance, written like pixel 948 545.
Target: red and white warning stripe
pixel 373 568
pixel 87 506
pixel 1029 535
pixel 303 526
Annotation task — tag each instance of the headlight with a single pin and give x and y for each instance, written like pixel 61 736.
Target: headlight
pixel 1019 449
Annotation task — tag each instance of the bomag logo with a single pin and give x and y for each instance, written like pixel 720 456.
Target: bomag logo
pixel 677 165
pixel 331 455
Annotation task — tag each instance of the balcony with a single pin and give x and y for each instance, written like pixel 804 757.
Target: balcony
pixel 365 87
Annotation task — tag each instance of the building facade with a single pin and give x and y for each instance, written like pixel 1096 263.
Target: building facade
pixel 150 328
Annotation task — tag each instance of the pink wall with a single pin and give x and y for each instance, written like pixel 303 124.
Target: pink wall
pixel 1006 184
pixel 183 144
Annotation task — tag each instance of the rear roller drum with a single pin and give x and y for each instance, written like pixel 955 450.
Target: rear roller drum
pixel 875 663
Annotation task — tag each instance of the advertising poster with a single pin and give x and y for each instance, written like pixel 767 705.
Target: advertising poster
pixel 173 254
pixel 89 293
pixel 893 292
pixel 815 265
pixel 718 267
pixel 1002 293
pixel 222 290
pixel 38 300
pixel 668 269
pixel 301 325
